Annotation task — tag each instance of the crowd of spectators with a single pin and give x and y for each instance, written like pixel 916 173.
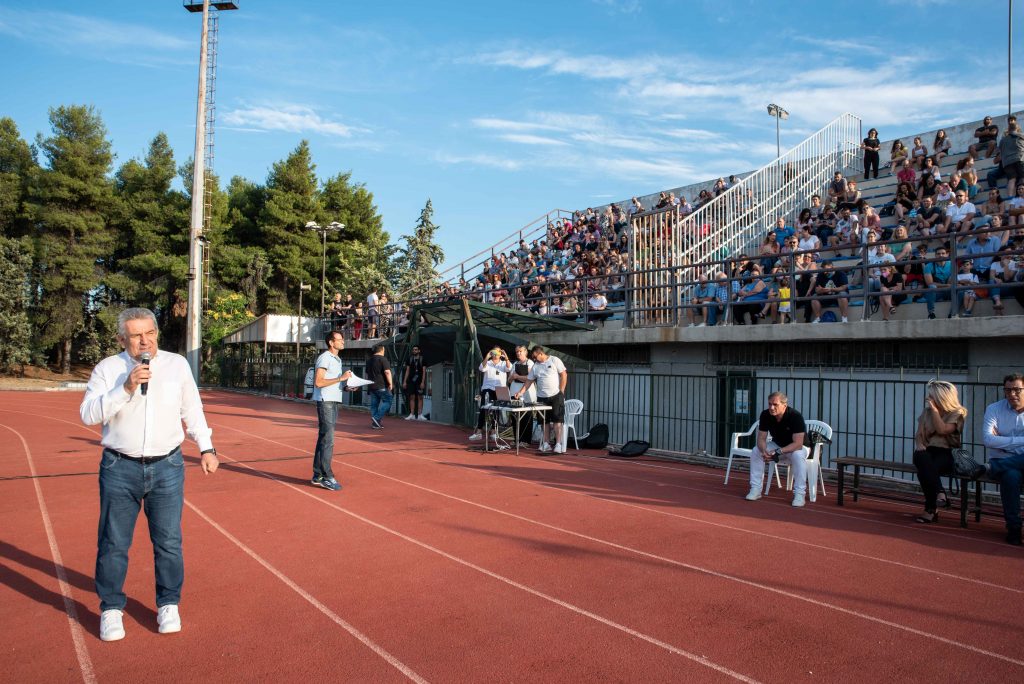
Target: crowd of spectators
pixel 804 266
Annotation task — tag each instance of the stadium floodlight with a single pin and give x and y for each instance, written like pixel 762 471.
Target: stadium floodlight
pixel 780 114
pixel 332 227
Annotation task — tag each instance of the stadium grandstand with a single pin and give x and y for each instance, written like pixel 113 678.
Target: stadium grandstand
pixel 845 291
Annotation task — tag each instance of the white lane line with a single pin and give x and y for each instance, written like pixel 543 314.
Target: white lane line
pixel 701 521
pixel 77 632
pixel 334 617
pixel 695 568
pixel 252 554
pixel 501 578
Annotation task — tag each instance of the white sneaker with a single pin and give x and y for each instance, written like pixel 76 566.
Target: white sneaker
pixel 754 494
pixel 559 449
pixel 798 500
pixel 111 625
pixel 701 325
pixel 421 417
pixel 476 437
pixel 845 320
pixel 410 417
pixel 544 447
pixel 816 320
pixel 167 620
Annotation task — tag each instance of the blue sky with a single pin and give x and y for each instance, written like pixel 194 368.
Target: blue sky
pixel 500 112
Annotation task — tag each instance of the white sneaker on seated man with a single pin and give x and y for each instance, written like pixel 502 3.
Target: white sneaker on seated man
pixel 780 438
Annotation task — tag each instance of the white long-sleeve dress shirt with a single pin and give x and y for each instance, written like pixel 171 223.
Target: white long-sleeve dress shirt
pixel 148 425
pixel 1003 430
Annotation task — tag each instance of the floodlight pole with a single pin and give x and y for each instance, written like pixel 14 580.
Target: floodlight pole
pixel 333 227
pixel 1009 60
pixel 303 287
pixel 193 329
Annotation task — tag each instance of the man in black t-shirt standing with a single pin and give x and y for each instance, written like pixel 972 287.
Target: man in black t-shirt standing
pixel 780 438
pixel 414 383
pixel 378 369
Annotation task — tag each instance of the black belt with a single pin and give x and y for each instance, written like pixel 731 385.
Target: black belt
pixel 144 460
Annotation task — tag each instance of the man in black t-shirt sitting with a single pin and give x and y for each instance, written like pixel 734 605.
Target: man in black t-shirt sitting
pixel 780 438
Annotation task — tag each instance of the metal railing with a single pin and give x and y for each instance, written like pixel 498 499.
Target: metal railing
pixel 538 226
pixel 733 220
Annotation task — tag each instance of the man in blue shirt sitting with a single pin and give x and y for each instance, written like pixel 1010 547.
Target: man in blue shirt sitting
pixel 938 274
pixel 1003 433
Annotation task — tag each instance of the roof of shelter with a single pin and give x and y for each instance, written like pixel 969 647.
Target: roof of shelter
pixel 497 318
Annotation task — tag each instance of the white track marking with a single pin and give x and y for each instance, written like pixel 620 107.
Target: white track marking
pixel 823 547
pixel 77 632
pixel 90 679
pixel 695 568
pixel 334 617
pixel 501 578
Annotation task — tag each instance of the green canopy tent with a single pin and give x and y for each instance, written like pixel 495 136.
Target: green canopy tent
pixel 456 331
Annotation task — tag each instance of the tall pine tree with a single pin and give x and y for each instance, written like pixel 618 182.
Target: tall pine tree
pixel 419 259
pixel 73 197
pixel 18 168
pixel 294 250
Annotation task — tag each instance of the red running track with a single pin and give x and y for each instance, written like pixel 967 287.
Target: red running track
pixel 441 564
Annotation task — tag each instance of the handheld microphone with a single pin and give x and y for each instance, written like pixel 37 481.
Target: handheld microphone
pixel 145 359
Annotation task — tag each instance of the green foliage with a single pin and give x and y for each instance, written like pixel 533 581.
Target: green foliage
pixel 98 239
pixel 73 198
pixel 417 262
pixel 15 266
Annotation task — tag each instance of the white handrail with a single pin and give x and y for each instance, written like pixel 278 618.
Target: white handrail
pixel 737 218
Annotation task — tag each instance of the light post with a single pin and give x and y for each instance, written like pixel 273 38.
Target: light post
pixel 333 227
pixel 779 113
pixel 303 287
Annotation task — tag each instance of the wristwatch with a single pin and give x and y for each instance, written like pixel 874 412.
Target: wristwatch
pixel 208 451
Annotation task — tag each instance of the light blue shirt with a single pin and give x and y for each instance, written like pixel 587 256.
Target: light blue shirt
pixel 332 367
pixel 1003 430
pixel 982 246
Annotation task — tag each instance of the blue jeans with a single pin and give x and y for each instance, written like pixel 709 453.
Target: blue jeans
pixel 327 418
pixel 1009 471
pixel 125 486
pixel 932 293
pixel 380 403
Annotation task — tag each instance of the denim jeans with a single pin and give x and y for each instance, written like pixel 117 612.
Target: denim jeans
pixel 380 403
pixel 931 294
pixel 1009 470
pixel 125 486
pixel 327 418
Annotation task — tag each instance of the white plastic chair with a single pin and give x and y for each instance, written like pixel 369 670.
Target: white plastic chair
pixel 821 434
pixel 736 450
pixel 573 408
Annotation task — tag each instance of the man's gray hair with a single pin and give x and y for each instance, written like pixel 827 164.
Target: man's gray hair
pixel 781 396
pixel 134 314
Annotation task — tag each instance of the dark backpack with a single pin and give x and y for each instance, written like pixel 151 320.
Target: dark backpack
pixel 597 438
pixel 631 449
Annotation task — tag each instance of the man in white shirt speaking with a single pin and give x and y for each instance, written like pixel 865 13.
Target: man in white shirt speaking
pixel 142 465
pixel 550 376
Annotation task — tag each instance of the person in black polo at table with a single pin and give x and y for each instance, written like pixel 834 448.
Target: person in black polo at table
pixel 780 438
pixel 520 374
pixel 550 376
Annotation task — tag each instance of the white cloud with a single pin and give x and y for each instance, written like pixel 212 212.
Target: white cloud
pixel 526 139
pixel 620 6
pixel 488 160
pixel 509 125
pixel 103 35
pixel 289 118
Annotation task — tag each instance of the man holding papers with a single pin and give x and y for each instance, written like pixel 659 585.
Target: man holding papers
pixel 327 395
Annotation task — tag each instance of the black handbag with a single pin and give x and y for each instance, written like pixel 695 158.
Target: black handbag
pixel 964 464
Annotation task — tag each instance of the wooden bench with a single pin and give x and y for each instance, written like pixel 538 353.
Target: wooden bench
pixel 858 462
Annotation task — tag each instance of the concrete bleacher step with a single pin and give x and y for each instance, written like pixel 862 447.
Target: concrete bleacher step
pixel 948 165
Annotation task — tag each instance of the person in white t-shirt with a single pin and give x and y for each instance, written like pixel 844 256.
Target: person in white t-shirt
pixel 960 215
pixel 495 368
pixel 550 376
pixel 967 281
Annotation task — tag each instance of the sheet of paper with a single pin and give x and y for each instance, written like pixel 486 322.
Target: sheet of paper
pixel 355 382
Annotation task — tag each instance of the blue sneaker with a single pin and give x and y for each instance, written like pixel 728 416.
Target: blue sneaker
pixel 317 479
pixel 330 483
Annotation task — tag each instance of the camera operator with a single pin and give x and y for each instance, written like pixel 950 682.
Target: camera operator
pixel 495 368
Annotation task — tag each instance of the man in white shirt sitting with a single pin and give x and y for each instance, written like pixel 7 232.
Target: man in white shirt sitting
pixel 142 464
pixel 960 214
